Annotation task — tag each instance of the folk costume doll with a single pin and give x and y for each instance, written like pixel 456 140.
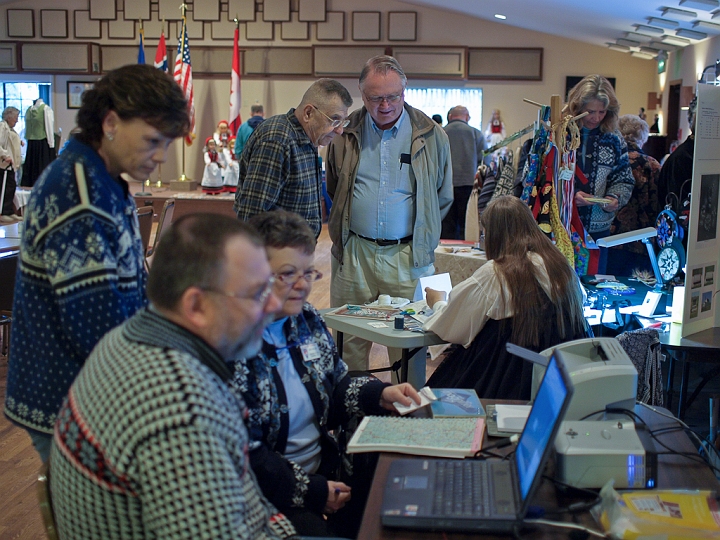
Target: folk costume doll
pixel 222 134
pixel 231 172
pixel 495 131
pixel 212 182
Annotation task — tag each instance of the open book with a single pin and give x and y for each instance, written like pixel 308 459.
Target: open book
pixel 437 437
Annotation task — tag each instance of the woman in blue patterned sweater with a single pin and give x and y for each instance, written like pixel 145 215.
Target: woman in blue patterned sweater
pixel 603 170
pixel 81 269
pixel 298 389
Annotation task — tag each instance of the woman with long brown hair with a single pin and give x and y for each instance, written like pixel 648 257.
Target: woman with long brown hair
pixel 526 294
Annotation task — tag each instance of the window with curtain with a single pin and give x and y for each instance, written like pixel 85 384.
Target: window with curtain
pixel 21 96
pixel 441 100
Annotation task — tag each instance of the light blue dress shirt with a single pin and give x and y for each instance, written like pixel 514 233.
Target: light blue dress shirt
pixel 383 204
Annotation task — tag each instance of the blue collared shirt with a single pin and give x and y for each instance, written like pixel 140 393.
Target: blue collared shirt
pixel 383 203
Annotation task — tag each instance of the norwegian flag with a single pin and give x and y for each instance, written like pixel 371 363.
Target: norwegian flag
pixel 183 76
pixel 161 54
pixel 234 116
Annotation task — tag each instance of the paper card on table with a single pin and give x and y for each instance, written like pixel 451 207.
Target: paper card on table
pixel 426 397
pixel 439 282
pixel 512 418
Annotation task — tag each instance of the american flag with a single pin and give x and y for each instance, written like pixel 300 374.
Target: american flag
pixel 183 76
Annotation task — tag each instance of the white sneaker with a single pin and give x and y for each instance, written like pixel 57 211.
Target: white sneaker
pixel 7 219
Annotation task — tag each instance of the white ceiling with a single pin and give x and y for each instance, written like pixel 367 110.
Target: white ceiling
pixel 593 21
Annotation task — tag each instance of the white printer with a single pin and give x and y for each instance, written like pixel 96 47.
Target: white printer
pixel 601 371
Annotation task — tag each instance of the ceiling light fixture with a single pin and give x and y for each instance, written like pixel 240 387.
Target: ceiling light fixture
pixel 705 25
pixel 616 47
pixel 663 23
pixel 644 56
pixel 627 42
pixel 645 29
pixel 649 50
pixel 500 16
pixel 639 37
pixel 682 14
pixel 706 5
pixel 690 34
pixel 674 40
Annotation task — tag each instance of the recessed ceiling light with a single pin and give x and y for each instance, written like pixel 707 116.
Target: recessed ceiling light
pixel 627 42
pixel 500 16
pixel 674 40
pixel 645 29
pixel 705 25
pixel 663 23
pixel 690 34
pixel 616 47
pixel 644 56
pixel 675 13
pixel 649 50
pixel 639 37
pixel 664 45
pixel 706 5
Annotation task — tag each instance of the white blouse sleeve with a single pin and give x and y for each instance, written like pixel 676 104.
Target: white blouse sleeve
pixel 469 306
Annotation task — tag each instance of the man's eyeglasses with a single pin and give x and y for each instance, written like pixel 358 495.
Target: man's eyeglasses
pixel 335 123
pixel 377 100
pixel 291 278
pixel 260 297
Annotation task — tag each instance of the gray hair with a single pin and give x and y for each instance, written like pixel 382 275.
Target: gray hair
pixel 323 90
pixel 256 109
pixel 9 111
pixel 634 129
pixel 382 65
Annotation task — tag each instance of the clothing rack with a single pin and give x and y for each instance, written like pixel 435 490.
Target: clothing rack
pixel 511 138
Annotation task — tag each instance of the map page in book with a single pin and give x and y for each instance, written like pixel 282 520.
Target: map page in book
pixel 436 437
pixel 366 312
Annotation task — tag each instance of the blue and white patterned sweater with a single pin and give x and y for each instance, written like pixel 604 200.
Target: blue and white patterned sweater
pixel 80 273
pixel 607 169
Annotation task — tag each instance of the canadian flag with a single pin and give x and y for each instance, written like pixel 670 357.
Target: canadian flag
pixel 234 119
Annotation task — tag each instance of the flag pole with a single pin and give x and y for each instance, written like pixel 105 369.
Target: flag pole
pixel 183 183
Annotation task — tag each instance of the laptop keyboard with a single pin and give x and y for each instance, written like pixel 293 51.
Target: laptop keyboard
pixel 461 488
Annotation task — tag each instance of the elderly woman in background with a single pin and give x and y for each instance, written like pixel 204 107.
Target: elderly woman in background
pixel 81 270
pixel 642 209
pixel 603 180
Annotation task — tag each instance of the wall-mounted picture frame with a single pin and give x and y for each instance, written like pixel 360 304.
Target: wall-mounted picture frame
pixel 54 23
pixel 75 91
pixel 312 10
pixel 366 25
pixel 295 30
pixel 20 23
pixel 84 27
pixel 402 26
pixel 333 29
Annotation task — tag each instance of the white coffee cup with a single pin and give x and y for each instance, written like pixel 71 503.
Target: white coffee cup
pixel 384 300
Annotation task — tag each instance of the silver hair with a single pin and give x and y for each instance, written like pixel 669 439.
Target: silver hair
pixel 382 65
pixel 634 129
pixel 9 111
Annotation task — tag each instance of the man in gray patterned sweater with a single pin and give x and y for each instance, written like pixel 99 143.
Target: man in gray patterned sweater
pixel 150 441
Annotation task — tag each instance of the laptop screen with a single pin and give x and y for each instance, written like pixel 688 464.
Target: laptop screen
pixel 540 426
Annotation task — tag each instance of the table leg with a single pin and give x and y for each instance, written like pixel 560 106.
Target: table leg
pixel 339 342
pixel 413 366
pixel 671 374
pixel 683 389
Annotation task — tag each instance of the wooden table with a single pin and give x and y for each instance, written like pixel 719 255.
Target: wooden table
pixel 674 472
pixel 189 203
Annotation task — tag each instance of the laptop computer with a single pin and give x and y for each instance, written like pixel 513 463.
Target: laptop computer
pixel 480 496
